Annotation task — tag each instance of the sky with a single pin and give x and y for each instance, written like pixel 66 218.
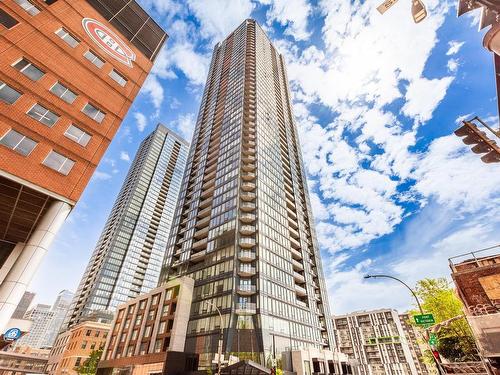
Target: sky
pixel 376 99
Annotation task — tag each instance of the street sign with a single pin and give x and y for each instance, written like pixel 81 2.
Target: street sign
pixel 424 319
pixel 433 340
pixel 382 8
pixel 12 334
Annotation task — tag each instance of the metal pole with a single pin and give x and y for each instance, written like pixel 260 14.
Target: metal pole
pixel 221 337
pixel 440 370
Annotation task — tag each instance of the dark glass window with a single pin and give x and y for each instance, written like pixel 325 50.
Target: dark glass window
pixel 7 20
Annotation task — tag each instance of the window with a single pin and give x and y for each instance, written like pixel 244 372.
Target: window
pixel 63 92
pixel 78 361
pixel 28 69
pixel 94 59
pixel 84 344
pixel 7 20
pixel 8 94
pixel 18 142
pixel 67 37
pixel 121 80
pixel 93 112
pixel 28 7
pixel 59 163
pixel 43 115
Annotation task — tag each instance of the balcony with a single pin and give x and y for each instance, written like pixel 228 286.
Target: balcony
pixel 246 308
pixel 300 291
pixel 198 257
pixel 246 256
pixel 206 202
pixel 248 176
pixel 296 254
pixel 295 244
pixel 247 218
pixel 247 196
pixel 248 186
pixel 246 271
pixel 297 266
pixel 205 213
pixel 201 233
pixel 246 290
pixel 247 242
pixel 248 158
pixel 200 244
pixel 247 206
pixel 203 222
pixel 248 151
pixel 248 167
pixel 299 278
pixel 247 230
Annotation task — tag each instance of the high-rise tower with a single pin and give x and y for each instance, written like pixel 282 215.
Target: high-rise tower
pixel 128 256
pixel 243 227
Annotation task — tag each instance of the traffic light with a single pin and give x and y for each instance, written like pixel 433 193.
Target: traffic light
pixel 482 144
pixel 273 371
pixel 436 355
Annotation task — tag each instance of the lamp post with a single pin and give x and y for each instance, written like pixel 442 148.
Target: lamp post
pixel 221 336
pixel 440 371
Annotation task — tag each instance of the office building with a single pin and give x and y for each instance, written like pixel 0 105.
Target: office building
pixel 73 347
pixel 128 256
pixel 477 279
pixel 376 341
pixel 41 315
pixel 68 75
pixel 147 329
pixel 23 305
pixel 59 310
pixel 243 228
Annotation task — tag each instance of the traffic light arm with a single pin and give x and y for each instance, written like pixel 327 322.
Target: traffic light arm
pixel 496 132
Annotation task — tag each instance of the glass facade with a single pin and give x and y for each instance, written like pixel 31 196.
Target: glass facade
pixel 128 257
pixel 243 227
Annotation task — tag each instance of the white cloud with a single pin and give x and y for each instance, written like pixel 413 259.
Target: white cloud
pixel 154 89
pixel 101 176
pixel 219 17
pixel 462 118
pixel 292 14
pixel 124 156
pixel 185 126
pixel 454 47
pixel 453 65
pixel 141 120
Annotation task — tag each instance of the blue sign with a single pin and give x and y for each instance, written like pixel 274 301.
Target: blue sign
pixel 12 334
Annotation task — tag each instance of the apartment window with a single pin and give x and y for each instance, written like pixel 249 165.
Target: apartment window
pixel 18 142
pixel 28 6
pixel 8 94
pixel 94 59
pixel 59 163
pixel 28 69
pixel 63 92
pixel 43 115
pixel 93 112
pixel 7 20
pixel 121 80
pixel 67 37
pixel 84 344
pixel 77 135
pixel 78 361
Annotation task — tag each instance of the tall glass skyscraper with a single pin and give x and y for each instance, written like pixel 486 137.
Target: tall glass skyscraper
pixel 243 227
pixel 128 256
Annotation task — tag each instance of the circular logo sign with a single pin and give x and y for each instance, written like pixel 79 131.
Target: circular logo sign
pixel 12 334
pixel 108 41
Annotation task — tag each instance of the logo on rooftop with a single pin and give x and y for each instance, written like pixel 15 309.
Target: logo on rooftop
pixel 108 41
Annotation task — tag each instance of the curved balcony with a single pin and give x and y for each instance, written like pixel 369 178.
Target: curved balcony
pixel 248 151
pixel 299 278
pixel 248 158
pixel 248 176
pixel 246 271
pixel 247 242
pixel 246 290
pixel 297 266
pixel 295 243
pixel 246 256
pixel 296 254
pixel 247 218
pixel 248 186
pixel 247 230
pixel 247 196
pixel 247 308
pixel 248 167
pixel 247 206
pixel 300 291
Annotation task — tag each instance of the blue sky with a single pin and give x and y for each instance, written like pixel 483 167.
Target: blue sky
pixel 376 100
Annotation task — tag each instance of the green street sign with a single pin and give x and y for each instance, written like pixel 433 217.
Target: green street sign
pixel 424 319
pixel 433 340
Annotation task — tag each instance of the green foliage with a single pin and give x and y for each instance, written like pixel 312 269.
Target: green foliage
pixel 455 342
pixel 89 367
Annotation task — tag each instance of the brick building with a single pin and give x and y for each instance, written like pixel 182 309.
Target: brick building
pixel 73 347
pixel 67 79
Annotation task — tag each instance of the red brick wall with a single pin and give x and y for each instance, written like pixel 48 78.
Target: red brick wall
pixel 34 38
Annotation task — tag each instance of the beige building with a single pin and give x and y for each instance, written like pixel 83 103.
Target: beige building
pixel 73 347
pixel 315 361
pixel 416 344
pixel 147 327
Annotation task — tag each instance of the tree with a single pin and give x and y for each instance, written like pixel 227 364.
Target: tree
pixel 455 342
pixel 89 366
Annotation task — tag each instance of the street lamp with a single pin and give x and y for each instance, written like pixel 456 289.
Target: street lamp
pixel 440 371
pixel 221 336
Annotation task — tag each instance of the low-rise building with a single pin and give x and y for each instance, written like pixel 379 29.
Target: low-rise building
pixel 74 346
pixel 315 361
pixel 477 279
pixel 23 360
pixel 376 341
pixel 148 328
